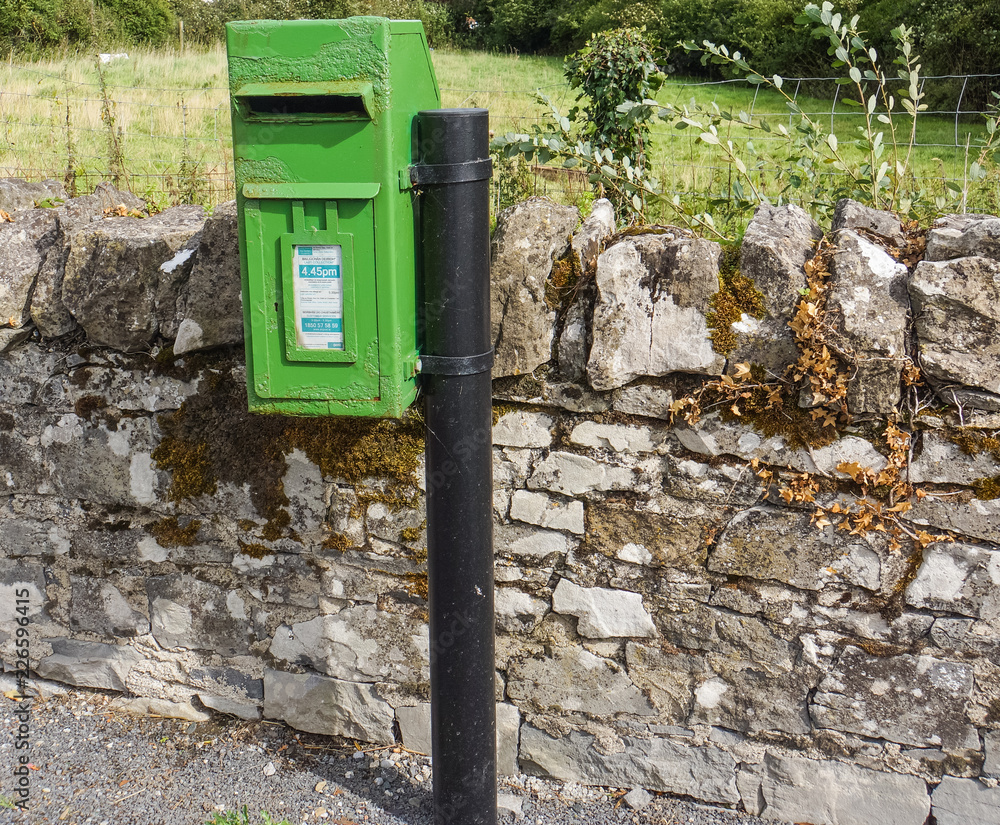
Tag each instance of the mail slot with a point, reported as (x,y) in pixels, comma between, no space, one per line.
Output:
(323,138)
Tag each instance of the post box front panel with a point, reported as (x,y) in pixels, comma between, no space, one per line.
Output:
(326,344)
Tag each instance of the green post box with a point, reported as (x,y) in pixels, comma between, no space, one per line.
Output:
(323,140)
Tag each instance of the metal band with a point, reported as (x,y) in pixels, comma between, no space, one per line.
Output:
(450,365)
(472,170)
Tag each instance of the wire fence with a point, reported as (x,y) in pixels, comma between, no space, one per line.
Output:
(173,143)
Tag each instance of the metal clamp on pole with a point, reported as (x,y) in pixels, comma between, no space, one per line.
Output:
(453,172)
(429,174)
(448,365)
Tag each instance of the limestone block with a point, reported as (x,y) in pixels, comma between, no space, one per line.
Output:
(575,339)
(913,700)
(572,474)
(575,680)
(31,537)
(730,640)
(976,518)
(617,437)
(228,690)
(653,293)
(123,275)
(318,704)
(189,613)
(768,543)
(669,679)
(991,740)
(528,238)
(97,606)
(359,644)
(147,706)
(751,701)
(956,312)
(17,195)
(522,428)
(778,242)
(23,247)
(596,228)
(543,510)
(366,645)
(88,664)
(941,461)
(603,613)
(703,772)
(963,236)
(850,214)
(47,309)
(964,801)
(833,793)
(289,580)
(869,306)
(959,578)
(415,728)
(643,399)
(520,540)
(517,611)
(209,306)
(712,436)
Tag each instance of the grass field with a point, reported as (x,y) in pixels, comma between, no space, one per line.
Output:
(165,116)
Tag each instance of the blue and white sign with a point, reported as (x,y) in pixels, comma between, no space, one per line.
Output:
(319,296)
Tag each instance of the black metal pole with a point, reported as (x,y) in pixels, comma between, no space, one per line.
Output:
(453,180)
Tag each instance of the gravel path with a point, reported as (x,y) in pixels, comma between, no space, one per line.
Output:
(98,766)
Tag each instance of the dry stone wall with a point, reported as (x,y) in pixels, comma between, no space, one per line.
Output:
(747,515)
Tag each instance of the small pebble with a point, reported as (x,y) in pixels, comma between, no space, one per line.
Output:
(358,755)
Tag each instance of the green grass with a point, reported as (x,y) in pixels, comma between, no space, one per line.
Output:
(173,112)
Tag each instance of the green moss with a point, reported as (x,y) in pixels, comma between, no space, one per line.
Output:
(359,448)
(169,533)
(254,551)
(277,524)
(213,439)
(563,279)
(973,442)
(412,534)
(337,541)
(737,295)
(416,585)
(190,466)
(987,489)
(786,418)
(87,405)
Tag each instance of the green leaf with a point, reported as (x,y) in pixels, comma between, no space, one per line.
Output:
(708,137)
(832,141)
(755,79)
(637,203)
(777,81)
(855,74)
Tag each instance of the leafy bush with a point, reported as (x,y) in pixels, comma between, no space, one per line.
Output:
(608,141)
(614,67)
(135,21)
